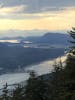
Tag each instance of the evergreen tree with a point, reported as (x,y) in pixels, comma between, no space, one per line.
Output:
(17,93)
(5,95)
(72,35)
(36,88)
(70,62)
(69,71)
(57,82)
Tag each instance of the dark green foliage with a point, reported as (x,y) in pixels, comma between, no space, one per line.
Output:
(72,35)
(5,95)
(36,88)
(17,93)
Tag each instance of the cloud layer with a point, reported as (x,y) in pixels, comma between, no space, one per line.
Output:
(48,15)
(38,5)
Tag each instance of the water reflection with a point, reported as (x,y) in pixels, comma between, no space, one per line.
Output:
(41,69)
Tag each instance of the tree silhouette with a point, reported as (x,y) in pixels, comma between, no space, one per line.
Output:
(5,95)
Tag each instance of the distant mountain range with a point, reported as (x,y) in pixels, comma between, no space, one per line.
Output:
(50,38)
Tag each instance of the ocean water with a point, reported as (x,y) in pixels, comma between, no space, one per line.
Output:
(40,69)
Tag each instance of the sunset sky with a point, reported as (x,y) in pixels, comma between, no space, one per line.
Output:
(35,17)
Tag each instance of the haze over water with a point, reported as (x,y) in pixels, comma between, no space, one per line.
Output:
(40,69)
